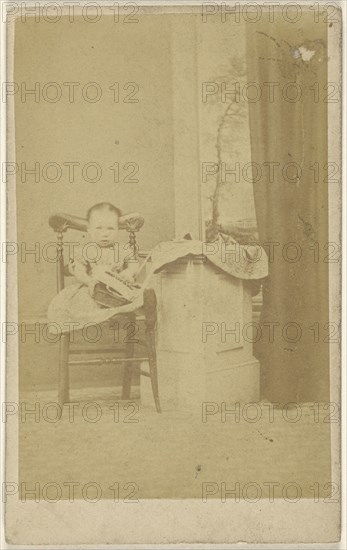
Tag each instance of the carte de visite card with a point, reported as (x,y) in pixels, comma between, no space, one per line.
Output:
(172,252)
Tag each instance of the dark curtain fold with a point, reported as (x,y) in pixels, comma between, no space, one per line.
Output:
(287,59)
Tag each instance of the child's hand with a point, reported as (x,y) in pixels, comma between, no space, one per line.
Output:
(126,277)
(91,288)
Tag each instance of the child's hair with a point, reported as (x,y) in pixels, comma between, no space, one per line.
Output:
(103,206)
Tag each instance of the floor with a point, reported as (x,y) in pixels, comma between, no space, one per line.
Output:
(128,451)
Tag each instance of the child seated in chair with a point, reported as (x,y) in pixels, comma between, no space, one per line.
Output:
(102,250)
(107,250)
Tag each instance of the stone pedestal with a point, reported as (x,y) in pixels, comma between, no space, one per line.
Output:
(204,341)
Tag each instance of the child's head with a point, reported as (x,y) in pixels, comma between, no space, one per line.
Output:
(103,223)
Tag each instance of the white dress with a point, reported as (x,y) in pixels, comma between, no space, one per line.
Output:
(74,308)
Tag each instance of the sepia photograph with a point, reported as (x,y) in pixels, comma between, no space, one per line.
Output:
(172,274)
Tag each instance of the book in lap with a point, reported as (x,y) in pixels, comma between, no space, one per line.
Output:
(111,290)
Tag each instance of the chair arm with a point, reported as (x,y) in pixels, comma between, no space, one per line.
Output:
(60,222)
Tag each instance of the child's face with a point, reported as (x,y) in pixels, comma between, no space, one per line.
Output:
(103,227)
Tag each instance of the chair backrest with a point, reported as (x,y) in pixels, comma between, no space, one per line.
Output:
(61,222)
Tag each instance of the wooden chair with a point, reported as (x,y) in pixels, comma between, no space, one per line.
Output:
(147,316)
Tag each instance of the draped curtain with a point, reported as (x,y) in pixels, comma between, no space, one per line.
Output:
(288,128)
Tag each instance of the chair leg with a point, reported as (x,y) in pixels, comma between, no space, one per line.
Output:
(150,308)
(63,388)
(128,372)
(153,370)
